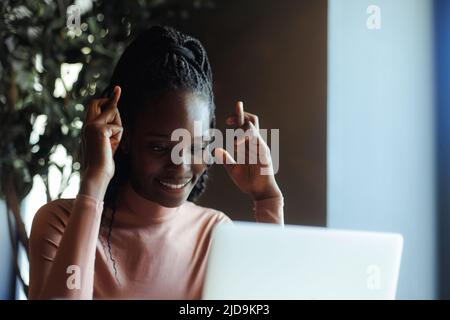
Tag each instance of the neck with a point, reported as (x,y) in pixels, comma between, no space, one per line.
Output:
(134,210)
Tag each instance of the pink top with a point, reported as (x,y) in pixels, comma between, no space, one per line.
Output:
(159,252)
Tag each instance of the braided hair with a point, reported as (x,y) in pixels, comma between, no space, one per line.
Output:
(159,60)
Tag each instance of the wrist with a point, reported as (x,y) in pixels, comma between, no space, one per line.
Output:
(94,184)
(267,194)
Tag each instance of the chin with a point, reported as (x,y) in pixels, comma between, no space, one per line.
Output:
(170,197)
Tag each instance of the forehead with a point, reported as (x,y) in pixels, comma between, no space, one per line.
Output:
(173,110)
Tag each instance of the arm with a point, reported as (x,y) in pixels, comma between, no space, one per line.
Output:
(269,210)
(256,179)
(264,211)
(55,252)
(63,256)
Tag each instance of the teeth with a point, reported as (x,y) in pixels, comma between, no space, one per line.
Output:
(173,186)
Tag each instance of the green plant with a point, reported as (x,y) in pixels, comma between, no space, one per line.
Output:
(35,119)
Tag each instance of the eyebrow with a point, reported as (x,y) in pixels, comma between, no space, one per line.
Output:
(159,135)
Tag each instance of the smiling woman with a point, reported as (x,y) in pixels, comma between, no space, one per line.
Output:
(151,170)
(133,230)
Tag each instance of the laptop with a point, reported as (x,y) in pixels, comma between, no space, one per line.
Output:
(265,261)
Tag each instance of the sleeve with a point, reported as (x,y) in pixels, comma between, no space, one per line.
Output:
(266,211)
(269,210)
(223,218)
(60,239)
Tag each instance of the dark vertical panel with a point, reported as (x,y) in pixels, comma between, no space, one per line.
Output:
(442,18)
(273,56)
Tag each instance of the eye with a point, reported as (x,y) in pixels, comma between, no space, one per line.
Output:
(158,147)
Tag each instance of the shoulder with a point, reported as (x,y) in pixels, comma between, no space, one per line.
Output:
(54,215)
(210,214)
(49,224)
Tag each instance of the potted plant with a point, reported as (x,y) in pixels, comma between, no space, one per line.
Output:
(48,72)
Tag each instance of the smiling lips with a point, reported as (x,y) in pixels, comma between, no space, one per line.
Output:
(174,186)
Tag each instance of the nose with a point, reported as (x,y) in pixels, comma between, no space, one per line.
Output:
(180,166)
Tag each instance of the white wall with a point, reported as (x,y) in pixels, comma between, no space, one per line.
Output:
(380,130)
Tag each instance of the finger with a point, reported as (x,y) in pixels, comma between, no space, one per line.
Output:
(108,116)
(249,155)
(112,129)
(264,155)
(251,133)
(117,94)
(246,149)
(117,120)
(114,133)
(230,120)
(255,147)
(239,113)
(93,109)
(254,130)
(223,157)
(245,139)
(253,118)
(113,99)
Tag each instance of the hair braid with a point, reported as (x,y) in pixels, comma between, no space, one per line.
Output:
(149,68)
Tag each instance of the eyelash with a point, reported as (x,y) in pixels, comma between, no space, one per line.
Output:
(160,149)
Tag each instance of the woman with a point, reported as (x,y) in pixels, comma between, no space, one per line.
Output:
(133,230)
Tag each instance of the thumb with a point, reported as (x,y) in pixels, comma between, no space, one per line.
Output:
(113,130)
(114,133)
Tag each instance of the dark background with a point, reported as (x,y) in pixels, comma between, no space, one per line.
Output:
(273,56)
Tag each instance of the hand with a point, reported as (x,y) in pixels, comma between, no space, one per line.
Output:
(248,177)
(100,136)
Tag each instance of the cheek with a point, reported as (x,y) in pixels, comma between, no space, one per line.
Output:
(146,164)
(199,169)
